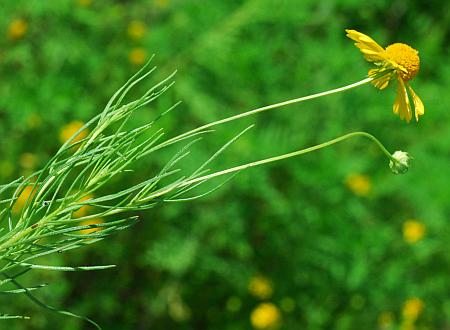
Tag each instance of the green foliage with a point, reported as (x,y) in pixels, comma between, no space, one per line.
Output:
(339,256)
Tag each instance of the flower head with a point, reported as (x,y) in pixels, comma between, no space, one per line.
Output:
(413,231)
(84,3)
(136,30)
(400,164)
(70,129)
(260,287)
(28,160)
(412,308)
(265,316)
(26,194)
(83,210)
(385,320)
(93,222)
(398,62)
(137,56)
(359,184)
(17,29)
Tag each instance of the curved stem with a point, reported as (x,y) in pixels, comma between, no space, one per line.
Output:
(262,109)
(271,160)
(289,155)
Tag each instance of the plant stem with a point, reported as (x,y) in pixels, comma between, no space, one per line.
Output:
(273,159)
(262,109)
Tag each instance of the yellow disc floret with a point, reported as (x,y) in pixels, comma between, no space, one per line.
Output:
(405,56)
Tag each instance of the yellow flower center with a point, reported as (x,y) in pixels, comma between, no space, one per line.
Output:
(405,56)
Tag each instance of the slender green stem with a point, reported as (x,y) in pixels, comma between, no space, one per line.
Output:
(291,154)
(274,159)
(262,109)
(181,184)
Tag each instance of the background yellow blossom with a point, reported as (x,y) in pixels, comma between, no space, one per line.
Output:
(136,30)
(82,211)
(17,29)
(385,320)
(23,198)
(138,56)
(412,308)
(413,231)
(70,129)
(91,222)
(84,3)
(260,287)
(161,3)
(265,316)
(359,184)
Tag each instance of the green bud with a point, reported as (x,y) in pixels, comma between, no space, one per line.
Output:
(401,163)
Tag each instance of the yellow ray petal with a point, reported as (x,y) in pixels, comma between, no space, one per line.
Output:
(381,76)
(401,103)
(419,109)
(371,50)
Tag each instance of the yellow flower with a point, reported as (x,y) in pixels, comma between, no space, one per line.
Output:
(95,221)
(161,3)
(84,3)
(265,316)
(22,199)
(70,129)
(28,160)
(136,30)
(82,211)
(407,326)
(137,56)
(359,184)
(17,29)
(34,121)
(398,62)
(412,309)
(260,287)
(385,320)
(413,231)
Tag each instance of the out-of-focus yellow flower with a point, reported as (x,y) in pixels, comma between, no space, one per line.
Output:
(407,326)
(34,120)
(359,184)
(84,3)
(95,221)
(70,129)
(260,287)
(385,320)
(136,30)
(413,231)
(161,3)
(82,211)
(412,308)
(265,316)
(138,56)
(28,160)
(397,62)
(21,200)
(17,29)
(178,310)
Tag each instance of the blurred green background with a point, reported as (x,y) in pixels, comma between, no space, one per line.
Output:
(329,240)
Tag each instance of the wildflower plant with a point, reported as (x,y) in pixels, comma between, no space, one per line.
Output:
(398,62)
(40,214)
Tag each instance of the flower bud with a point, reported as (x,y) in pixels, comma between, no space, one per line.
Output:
(401,163)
